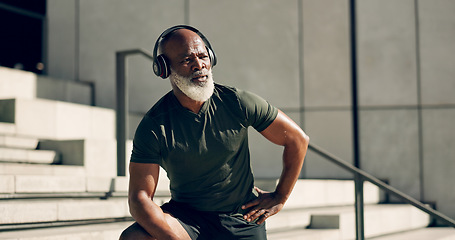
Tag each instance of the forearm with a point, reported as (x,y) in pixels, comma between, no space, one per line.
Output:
(293,157)
(151,217)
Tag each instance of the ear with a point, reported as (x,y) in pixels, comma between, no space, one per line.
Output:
(161,66)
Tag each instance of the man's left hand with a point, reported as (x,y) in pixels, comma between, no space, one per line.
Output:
(267,204)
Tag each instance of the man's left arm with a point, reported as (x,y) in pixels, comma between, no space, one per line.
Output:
(285,132)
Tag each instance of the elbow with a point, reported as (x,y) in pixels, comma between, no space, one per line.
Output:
(306,140)
(137,200)
(298,143)
(133,203)
(297,140)
(303,139)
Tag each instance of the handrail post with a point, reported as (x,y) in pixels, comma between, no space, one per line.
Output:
(359,207)
(121,112)
(121,124)
(358,179)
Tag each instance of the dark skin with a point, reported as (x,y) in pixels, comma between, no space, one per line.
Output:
(187,54)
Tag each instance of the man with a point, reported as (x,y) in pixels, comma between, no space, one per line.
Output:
(198,134)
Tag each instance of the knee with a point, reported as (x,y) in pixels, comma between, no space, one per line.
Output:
(134,232)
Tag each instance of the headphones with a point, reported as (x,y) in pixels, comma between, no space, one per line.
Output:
(161,66)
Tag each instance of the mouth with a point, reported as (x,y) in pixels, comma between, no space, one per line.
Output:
(199,78)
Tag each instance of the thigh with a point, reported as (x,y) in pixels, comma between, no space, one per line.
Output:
(177,226)
(238,228)
(188,219)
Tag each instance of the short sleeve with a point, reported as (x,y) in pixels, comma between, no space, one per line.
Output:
(146,144)
(259,113)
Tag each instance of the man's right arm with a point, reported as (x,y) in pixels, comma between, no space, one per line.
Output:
(142,186)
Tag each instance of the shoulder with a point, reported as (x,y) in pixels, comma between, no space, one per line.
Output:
(157,113)
(163,106)
(243,97)
(224,90)
(228,92)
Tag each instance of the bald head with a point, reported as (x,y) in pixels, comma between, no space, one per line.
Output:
(185,51)
(180,37)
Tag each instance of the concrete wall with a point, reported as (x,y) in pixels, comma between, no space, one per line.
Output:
(388,92)
(326,84)
(437,71)
(99,29)
(296,54)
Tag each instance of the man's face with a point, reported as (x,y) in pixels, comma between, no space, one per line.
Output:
(187,54)
(190,65)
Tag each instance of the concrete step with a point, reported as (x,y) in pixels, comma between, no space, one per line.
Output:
(18,212)
(7,141)
(315,193)
(431,233)
(16,83)
(109,231)
(26,184)
(7,128)
(299,234)
(380,219)
(58,120)
(98,156)
(48,184)
(35,178)
(55,210)
(288,219)
(106,231)
(41,169)
(28,156)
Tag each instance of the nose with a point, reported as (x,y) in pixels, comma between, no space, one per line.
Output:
(198,64)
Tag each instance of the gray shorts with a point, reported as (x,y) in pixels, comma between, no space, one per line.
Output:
(202,225)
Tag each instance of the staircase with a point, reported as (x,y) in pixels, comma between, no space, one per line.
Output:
(58,180)
(323,209)
(58,165)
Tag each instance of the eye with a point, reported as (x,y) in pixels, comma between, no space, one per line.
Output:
(186,60)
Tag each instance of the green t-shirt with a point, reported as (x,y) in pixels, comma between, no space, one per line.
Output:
(205,155)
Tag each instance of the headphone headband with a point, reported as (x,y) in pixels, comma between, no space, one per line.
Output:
(161,67)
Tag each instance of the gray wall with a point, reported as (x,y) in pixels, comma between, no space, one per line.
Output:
(296,54)
(388,92)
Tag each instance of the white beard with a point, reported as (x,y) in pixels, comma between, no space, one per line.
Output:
(200,92)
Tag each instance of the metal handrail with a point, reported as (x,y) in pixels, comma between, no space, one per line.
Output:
(359,178)
(122,104)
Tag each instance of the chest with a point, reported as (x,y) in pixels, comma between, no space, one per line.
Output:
(202,137)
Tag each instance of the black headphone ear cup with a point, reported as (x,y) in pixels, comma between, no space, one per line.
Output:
(161,67)
(156,68)
(211,56)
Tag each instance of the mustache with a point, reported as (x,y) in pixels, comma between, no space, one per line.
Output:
(200,72)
